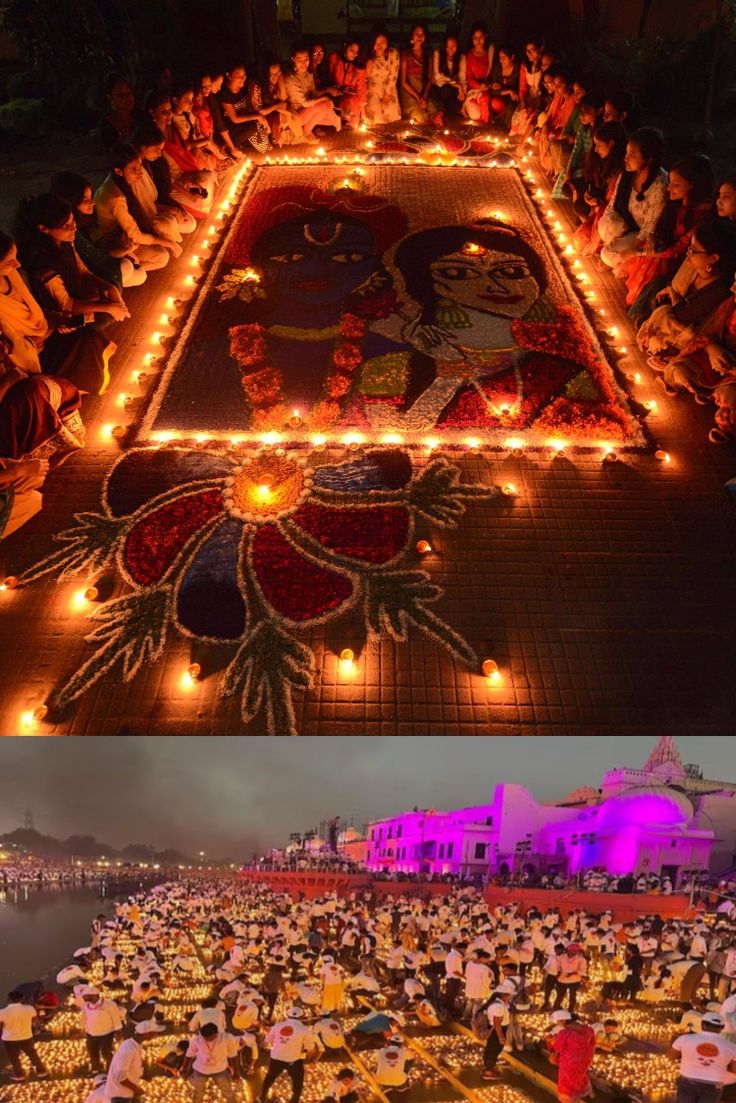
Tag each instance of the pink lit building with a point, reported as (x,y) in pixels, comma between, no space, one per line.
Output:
(662,818)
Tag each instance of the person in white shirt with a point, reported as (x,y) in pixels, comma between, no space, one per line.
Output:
(454,975)
(70,975)
(125,1073)
(393,1065)
(329,1032)
(345,1088)
(102,1020)
(728,1014)
(573,969)
(246,1014)
(212,1055)
(211,1011)
(478,979)
(288,1042)
(333,992)
(706,1060)
(16,1030)
(499,1018)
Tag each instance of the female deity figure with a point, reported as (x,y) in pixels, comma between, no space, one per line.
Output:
(491,347)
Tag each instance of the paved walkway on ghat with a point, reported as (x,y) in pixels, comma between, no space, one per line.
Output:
(604,591)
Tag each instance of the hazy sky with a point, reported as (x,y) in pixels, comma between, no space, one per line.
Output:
(228,796)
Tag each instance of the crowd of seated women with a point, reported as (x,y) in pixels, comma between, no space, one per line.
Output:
(668,236)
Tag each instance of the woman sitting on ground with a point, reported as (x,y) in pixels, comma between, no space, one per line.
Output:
(39,414)
(240,100)
(562,144)
(504,87)
(201,107)
(556,117)
(319,66)
(479,60)
(123,117)
(202,148)
(118,266)
(448,77)
(193,187)
(636,206)
(692,339)
(64,286)
(415,79)
(602,167)
(162,213)
(382,74)
(35,342)
(530,91)
(690,305)
(120,220)
(571,183)
(271,97)
(348,77)
(690,189)
(211,99)
(313,108)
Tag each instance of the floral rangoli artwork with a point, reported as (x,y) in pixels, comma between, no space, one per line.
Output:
(404,299)
(249,549)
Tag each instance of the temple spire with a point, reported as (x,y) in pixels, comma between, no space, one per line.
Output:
(665,751)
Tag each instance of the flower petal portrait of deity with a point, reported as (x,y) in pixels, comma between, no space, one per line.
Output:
(492,347)
(317,254)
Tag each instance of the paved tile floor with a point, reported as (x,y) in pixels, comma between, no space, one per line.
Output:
(605,591)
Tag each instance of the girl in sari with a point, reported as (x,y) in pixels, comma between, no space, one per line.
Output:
(690,188)
(193,186)
(479,61)
(349,80)
(572,1051)
(201,146)
(415,80)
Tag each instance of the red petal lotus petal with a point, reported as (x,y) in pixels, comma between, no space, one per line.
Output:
(374,534)
(297,588)
(155,541)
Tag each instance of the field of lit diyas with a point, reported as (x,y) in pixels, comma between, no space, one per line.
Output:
(447,1061)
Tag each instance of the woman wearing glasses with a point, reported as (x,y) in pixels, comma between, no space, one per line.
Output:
(691,315)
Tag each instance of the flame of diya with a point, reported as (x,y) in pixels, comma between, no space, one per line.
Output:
(267,486)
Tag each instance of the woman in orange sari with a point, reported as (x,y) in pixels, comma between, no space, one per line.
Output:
(348,78)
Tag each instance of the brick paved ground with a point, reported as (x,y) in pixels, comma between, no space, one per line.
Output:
(605,592)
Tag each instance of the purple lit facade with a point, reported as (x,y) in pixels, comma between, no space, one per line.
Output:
(664,818)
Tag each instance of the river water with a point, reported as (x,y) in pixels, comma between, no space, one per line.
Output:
(41,927)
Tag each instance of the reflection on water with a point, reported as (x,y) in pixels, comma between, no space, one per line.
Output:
(41,927)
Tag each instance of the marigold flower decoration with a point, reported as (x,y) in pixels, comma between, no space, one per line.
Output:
(248,550)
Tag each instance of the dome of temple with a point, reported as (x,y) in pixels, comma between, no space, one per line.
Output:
(647,804)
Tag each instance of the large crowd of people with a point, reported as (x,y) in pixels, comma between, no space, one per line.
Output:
(668,235)
(291,982)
